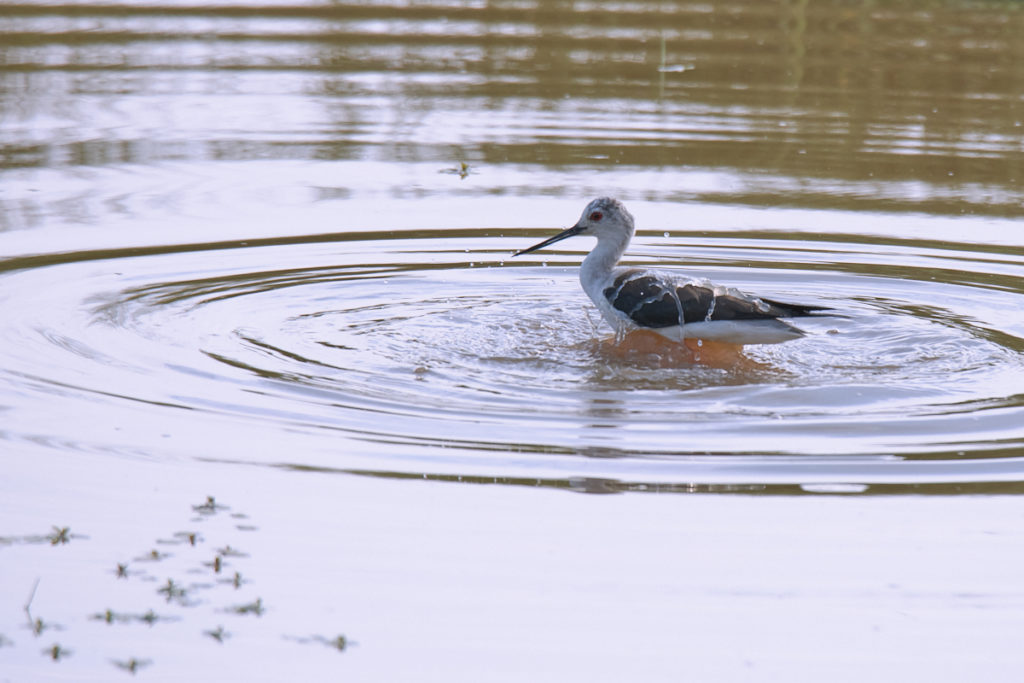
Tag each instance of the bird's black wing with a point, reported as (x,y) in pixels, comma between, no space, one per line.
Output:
(650,301)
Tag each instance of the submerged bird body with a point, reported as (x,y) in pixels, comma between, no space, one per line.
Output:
(674,307)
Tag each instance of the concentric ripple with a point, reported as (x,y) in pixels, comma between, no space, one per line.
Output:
(353,354)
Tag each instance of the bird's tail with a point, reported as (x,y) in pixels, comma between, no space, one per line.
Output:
(787,310)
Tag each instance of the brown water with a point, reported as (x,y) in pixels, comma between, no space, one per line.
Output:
(262,252)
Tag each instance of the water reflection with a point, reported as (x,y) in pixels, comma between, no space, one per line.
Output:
(245,246)
(428,364)
(823,104)
(231,156)
(916,484)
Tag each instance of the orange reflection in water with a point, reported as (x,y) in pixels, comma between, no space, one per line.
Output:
(650,347)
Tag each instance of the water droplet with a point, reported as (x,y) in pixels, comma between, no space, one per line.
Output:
(666,233)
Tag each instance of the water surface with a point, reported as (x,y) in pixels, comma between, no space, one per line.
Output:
(259,249)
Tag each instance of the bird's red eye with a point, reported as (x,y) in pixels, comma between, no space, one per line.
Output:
(596,216)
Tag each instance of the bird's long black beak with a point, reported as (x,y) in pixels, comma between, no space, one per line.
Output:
(574,230)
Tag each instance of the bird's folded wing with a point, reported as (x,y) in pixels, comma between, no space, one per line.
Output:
(652,301)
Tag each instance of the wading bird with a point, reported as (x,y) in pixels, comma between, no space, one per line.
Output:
(676,308)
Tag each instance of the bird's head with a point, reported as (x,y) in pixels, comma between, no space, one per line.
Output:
(604,217)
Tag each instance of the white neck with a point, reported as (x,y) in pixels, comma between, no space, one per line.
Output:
(598,264)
